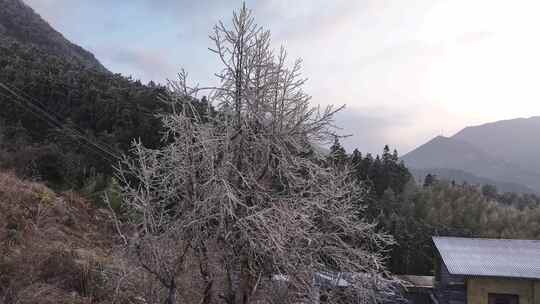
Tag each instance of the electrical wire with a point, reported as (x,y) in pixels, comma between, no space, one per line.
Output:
(102,149)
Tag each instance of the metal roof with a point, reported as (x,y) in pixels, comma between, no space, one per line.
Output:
(490,257)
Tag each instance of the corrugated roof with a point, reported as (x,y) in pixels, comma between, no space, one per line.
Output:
(490,257)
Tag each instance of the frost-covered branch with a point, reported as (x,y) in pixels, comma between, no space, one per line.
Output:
(242,193)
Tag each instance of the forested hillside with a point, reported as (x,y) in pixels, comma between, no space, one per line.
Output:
(65,119)
(50,101)
(413,212)
(19,23)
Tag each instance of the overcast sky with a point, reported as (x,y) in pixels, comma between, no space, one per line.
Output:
(407,70)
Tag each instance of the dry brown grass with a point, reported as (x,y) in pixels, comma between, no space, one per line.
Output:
(53,247)
(58,248)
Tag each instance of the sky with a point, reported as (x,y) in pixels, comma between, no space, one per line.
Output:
(406,70)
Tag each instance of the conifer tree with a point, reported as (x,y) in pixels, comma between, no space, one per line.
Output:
(430,180)
(338,156)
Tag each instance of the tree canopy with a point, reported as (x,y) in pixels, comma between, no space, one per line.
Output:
(244,192)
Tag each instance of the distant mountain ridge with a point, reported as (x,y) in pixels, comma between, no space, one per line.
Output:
(20,23)
(504,152)
(516,140)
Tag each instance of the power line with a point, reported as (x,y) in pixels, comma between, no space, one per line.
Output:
(57,119)
(53,121)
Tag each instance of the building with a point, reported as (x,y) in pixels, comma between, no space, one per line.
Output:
(487,271)
(417,289)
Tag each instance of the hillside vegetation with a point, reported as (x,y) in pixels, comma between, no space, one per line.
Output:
(52,245)
(413,212)
(19,23)
(65,119)
(59,248)
(64,123)
(461,176)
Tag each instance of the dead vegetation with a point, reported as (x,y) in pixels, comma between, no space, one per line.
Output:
(52,247)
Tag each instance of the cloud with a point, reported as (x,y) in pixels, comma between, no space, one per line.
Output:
(144,64)
(369,129)
(406,70)
(402,127)
(314,17)
(402,52)
(473,37)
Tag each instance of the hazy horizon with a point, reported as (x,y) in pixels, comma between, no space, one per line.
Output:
(406,72)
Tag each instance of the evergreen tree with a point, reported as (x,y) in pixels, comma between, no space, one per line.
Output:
(489,191)
(77,102)
(430,180)
(338,156)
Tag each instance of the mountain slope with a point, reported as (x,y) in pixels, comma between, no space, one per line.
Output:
(91,115)
(19,22)
(515,140)
(451,153)
(445,152)
(460,176)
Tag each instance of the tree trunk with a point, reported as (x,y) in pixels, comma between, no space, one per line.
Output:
(171,299)
(243,292)
(207,298)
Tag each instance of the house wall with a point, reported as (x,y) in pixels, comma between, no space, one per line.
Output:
(536,292)
(418,296)
(479,288)
(449,288)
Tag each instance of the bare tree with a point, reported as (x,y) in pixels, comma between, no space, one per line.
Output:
(243,192)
